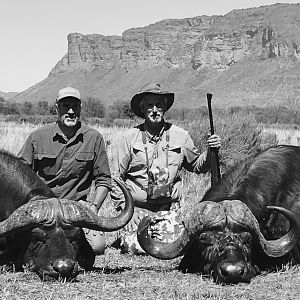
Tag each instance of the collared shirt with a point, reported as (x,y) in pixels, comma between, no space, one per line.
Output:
(68,166)
(132,163)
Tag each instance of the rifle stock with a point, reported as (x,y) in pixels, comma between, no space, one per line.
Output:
(214,155)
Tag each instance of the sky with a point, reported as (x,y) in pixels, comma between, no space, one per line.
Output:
(34,33)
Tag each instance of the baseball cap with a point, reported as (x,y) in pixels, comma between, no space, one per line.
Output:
(68,92)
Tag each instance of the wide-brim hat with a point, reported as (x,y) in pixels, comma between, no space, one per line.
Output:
(150,89)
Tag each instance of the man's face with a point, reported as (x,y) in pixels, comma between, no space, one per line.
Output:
(154,108)
(68,110)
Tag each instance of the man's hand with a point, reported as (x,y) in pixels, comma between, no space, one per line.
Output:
(94,208)
(214,141)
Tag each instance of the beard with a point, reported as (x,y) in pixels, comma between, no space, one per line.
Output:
(69,121)
(155,119)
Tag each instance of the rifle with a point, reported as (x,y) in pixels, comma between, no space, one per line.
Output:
(214,155)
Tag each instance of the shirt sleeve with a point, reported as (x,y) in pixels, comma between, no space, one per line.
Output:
(194,161)
(101,170)
(26,153)
(123,160)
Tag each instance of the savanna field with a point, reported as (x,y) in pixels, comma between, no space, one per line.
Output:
(117,276)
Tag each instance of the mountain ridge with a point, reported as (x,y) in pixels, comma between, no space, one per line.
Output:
(241,58)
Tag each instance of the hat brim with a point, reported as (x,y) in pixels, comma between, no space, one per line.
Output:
(136,100)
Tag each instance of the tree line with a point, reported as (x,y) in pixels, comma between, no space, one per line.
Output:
(94,108)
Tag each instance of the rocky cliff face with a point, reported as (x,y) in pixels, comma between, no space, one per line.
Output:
(241,57)
(202,42)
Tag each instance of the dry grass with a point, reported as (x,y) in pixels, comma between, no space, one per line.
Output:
(117,276)
(287,136)
(125,277)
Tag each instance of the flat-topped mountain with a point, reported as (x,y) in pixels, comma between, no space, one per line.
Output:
(248,56)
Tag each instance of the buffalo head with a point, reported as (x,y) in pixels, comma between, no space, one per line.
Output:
(49,237)
(220,239)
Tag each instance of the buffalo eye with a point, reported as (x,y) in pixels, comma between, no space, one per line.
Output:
(39,236)
(37,245)
(206,239)
(73,236)
(246,237)
(73,240)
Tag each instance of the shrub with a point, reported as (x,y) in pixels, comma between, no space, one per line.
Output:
(241,136)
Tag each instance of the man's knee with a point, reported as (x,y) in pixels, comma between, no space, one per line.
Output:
(96,239)
(99,246)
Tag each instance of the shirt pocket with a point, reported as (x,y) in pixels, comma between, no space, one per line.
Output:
(138,160)
(83,162)
(175,155)
(47,164)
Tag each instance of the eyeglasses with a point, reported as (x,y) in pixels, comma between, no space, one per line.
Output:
(68,106)
(159,106)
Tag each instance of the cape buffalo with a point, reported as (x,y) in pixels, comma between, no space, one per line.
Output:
(248,222)
(44,232)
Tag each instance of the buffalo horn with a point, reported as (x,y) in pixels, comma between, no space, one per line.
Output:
(205,215)
(238,212)
(79,215)
(158,249)
(48,211)
(29,215)
(281,246)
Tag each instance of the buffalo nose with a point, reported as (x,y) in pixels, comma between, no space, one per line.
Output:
(232,271)
(66,268)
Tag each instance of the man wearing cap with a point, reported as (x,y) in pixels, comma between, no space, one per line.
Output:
(69,155)
(150,158)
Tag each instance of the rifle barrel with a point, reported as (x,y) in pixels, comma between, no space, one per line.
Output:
(215,164)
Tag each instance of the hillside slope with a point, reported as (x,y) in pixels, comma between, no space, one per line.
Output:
(241,58)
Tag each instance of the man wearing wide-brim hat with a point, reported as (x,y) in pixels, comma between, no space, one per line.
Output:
(150,158)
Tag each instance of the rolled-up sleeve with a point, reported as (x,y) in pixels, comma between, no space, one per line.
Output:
(101,171)
(193,160)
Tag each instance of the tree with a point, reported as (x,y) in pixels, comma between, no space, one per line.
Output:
(13,109)
(128,111)
(93,108)
(27,108)
(42,108)
(3,105)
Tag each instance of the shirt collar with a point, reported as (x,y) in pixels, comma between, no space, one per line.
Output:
(155,138)
(57,133)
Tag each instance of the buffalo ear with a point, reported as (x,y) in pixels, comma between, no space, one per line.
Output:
(85,255)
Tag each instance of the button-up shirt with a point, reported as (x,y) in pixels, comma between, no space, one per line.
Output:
(68,166)
(132,163)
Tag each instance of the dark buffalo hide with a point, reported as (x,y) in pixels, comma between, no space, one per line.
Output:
(43,232)
(247,222)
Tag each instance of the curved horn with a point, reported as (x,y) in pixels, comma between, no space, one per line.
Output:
(238,212)
(205,215)
(158,249)
(78,215)
(29,215)
(281,246)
